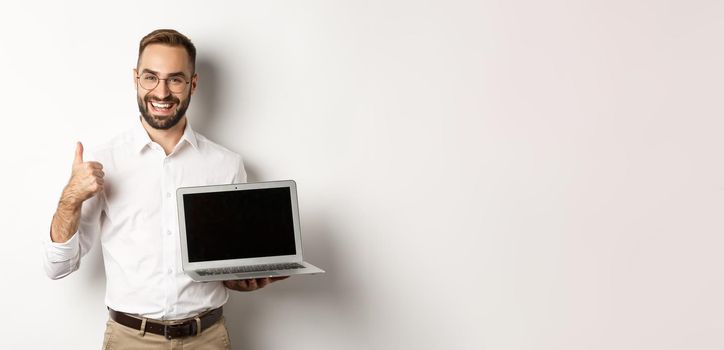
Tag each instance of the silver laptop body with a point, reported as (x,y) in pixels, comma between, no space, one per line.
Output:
(240,231)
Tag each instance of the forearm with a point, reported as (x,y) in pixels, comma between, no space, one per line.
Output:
(62,254)
(66,219)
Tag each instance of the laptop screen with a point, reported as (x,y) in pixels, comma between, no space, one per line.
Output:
(239,224)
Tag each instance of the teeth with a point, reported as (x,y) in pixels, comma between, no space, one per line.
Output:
(161,105)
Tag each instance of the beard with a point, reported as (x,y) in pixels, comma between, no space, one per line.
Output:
(163,123)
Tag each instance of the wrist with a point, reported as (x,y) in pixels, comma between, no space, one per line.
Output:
(69,202)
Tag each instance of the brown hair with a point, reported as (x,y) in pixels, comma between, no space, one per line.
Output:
(168,37)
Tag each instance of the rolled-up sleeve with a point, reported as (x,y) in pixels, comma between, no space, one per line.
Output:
(61,259)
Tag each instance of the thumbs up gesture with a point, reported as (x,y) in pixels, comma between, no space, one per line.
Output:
(86,179)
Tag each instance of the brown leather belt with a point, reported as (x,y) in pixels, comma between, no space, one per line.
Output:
(184,328)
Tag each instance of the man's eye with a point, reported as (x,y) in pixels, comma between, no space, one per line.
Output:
(178,81)
(150,78)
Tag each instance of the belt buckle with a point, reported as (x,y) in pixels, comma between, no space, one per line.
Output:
(166,332)
(167,329)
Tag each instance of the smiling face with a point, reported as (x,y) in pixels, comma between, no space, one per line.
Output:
(163,107)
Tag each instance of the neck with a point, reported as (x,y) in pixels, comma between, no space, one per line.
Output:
(167,139)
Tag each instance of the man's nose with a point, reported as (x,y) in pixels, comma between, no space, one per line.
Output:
(161,89)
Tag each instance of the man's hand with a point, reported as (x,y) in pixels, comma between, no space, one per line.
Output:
(86,180)
(251,284)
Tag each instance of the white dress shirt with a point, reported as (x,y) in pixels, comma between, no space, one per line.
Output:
(136,220)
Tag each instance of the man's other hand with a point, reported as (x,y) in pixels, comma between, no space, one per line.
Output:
(251,284)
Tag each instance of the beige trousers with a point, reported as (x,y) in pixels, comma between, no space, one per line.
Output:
(119,336)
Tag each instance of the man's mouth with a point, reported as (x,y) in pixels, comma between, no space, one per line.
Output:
(162,107)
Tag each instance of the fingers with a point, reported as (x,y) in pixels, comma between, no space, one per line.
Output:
(92,176)
(78,153)
(240,285)
(89,165)
(94,165)
(235,284)
(251,284)
(262,282)
(95,185)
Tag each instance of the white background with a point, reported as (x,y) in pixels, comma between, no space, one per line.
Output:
(472,174)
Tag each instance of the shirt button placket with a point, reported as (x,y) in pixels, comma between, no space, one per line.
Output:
(167,207)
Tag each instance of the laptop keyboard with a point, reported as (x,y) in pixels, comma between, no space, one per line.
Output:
(250,268)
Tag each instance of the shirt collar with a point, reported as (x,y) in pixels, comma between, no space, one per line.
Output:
(141,139)
(189,135)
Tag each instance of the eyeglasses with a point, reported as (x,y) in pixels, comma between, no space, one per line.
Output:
(149,81)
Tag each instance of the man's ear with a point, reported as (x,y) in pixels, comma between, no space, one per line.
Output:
(135,74)
(194,81)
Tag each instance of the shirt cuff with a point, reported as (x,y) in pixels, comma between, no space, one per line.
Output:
(59,252)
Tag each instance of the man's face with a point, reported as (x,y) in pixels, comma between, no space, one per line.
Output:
(161,107)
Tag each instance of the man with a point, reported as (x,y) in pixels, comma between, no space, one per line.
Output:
(126,198)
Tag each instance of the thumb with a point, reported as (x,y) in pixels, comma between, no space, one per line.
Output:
(78,153)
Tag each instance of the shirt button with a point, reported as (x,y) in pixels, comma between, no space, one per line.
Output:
(168,232)
(169,271)
(168,194)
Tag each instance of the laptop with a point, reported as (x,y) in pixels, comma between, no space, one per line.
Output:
(240,231)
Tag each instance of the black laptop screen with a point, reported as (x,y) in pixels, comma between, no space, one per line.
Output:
(239,224)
